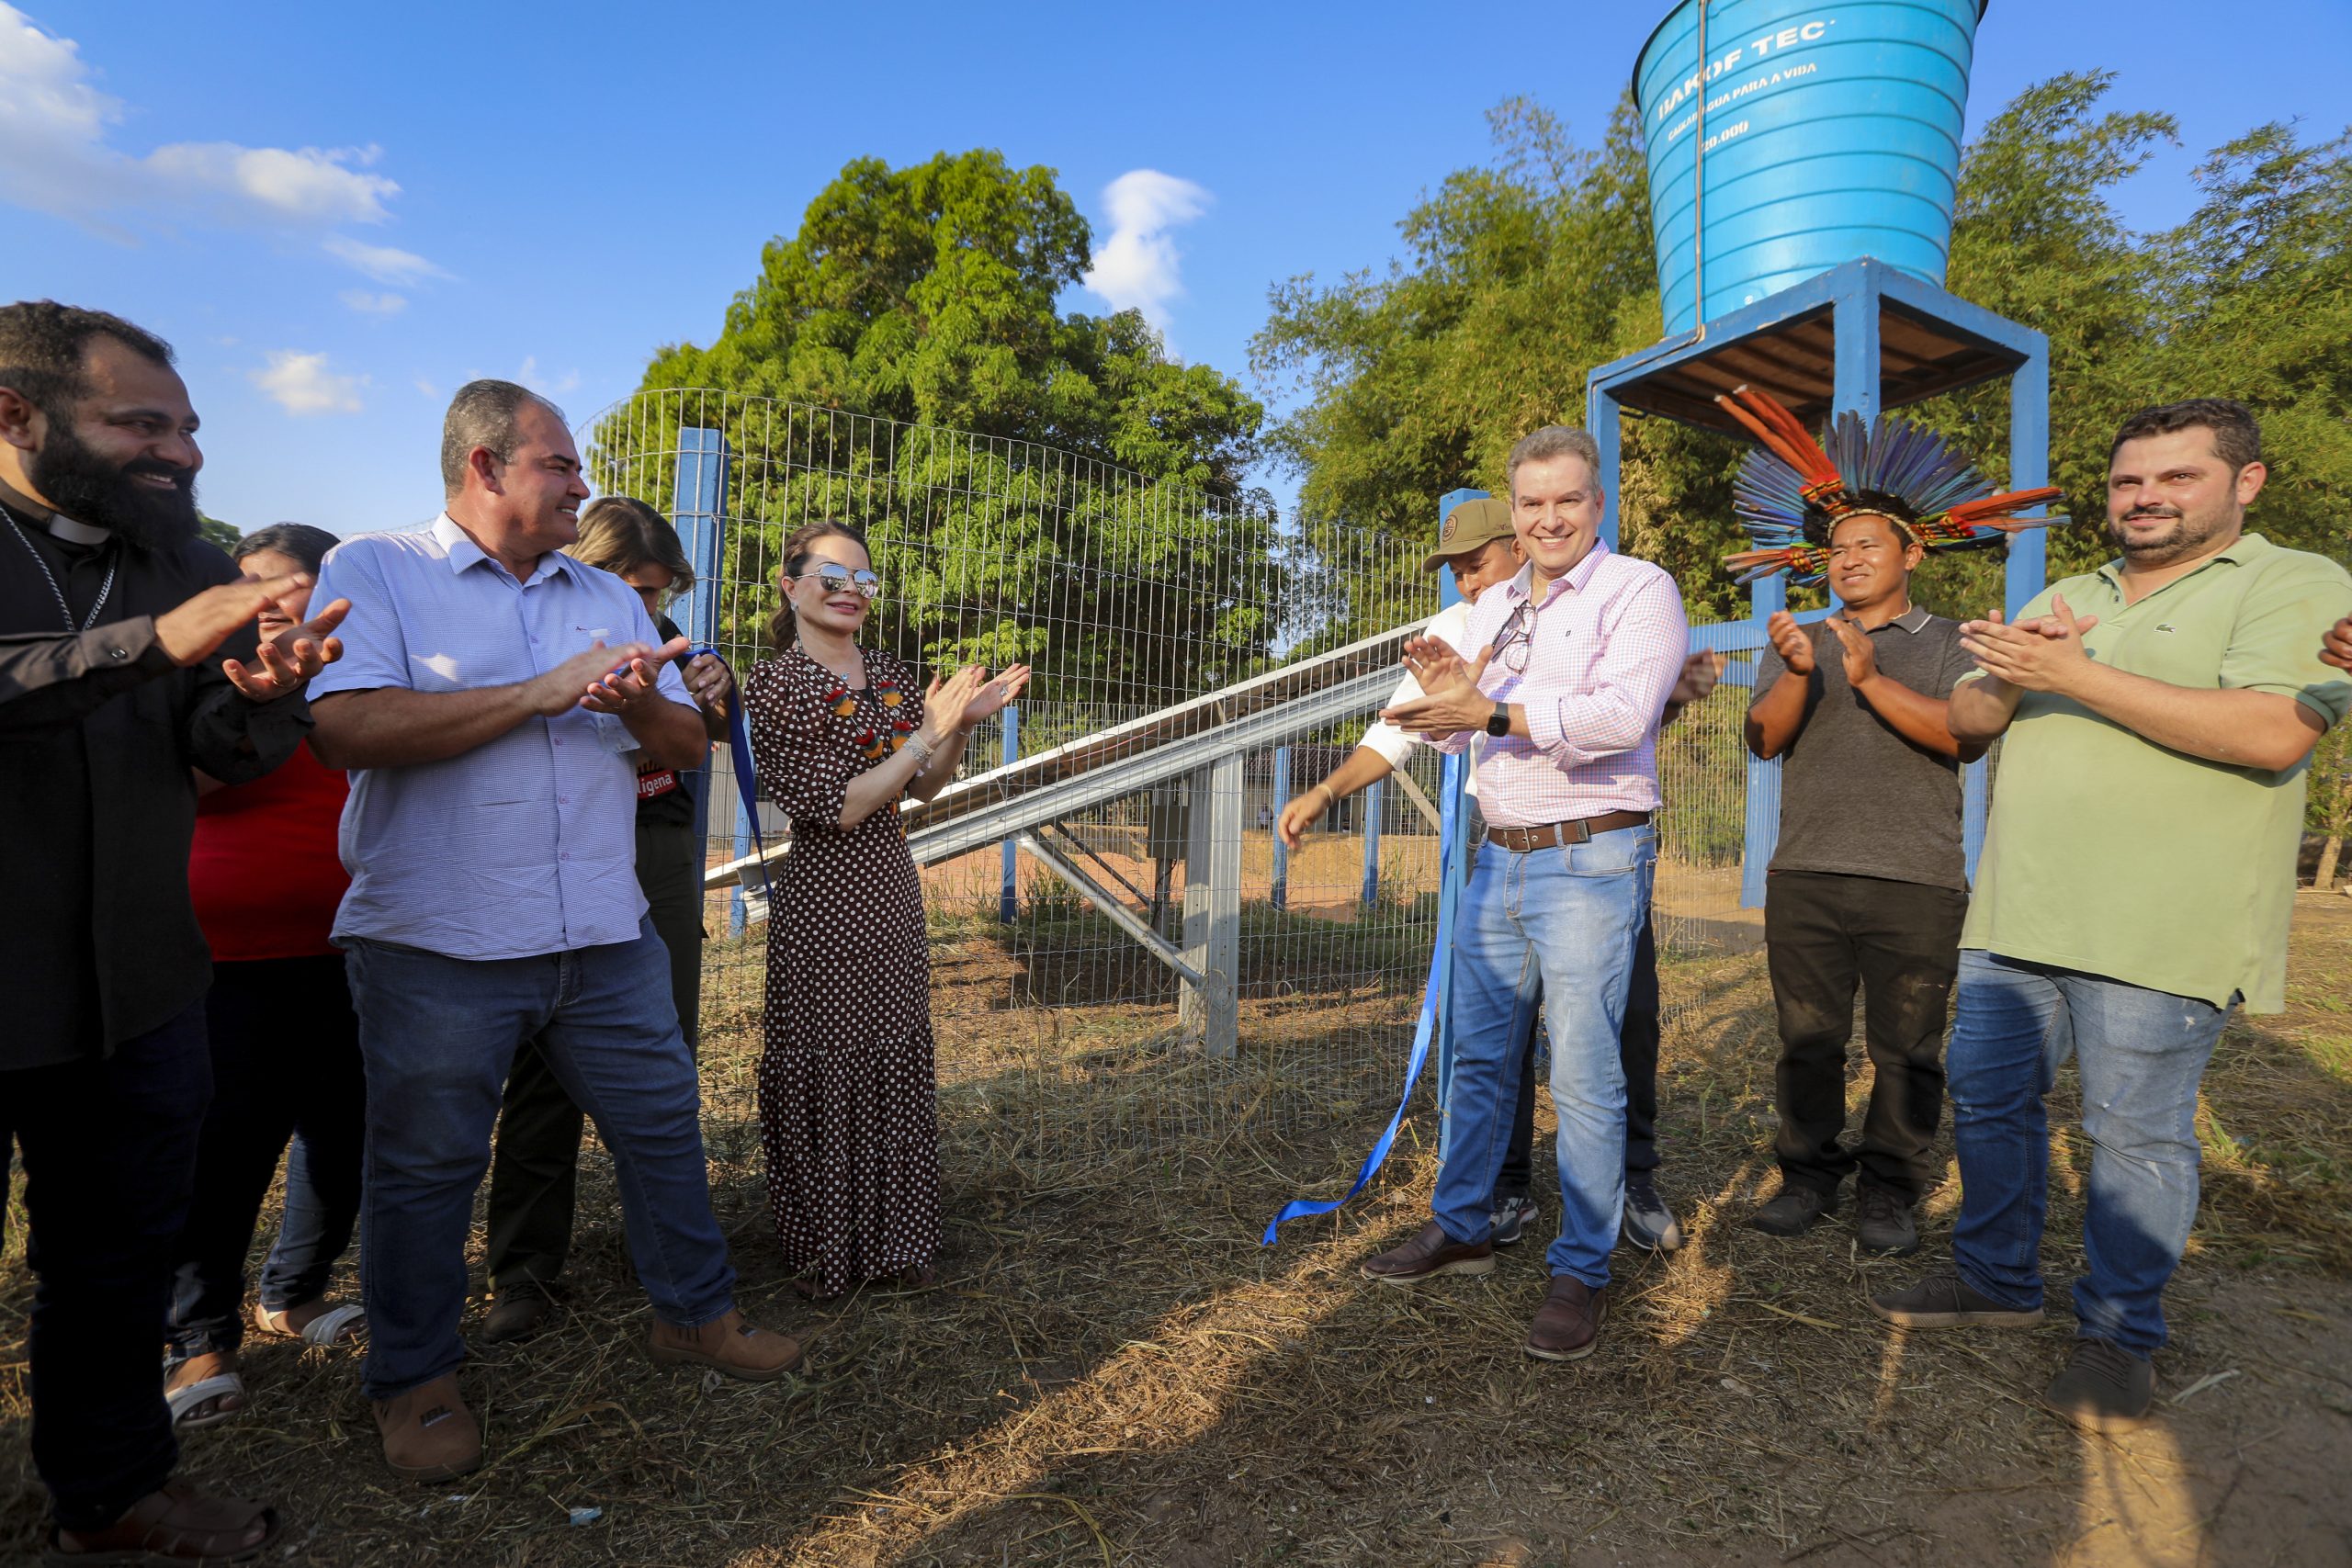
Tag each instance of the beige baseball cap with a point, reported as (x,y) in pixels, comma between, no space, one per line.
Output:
(1467,528)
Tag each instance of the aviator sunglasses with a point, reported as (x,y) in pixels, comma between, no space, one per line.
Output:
(835,579)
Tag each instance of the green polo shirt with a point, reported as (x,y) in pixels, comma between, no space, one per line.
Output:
(2113,855)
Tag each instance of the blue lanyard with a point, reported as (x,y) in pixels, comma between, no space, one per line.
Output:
(754,876)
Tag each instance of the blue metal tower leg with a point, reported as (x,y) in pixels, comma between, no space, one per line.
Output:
(1603,421)
(2029,469)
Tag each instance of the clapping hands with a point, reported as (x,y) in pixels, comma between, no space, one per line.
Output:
(2043,654)
(969,696)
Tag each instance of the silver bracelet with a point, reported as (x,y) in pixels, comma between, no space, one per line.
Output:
(924,749)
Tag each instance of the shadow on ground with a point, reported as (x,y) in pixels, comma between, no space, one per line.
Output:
(1110,1370)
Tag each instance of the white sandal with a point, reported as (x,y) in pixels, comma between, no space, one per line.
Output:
(184,1399)
(337,1325)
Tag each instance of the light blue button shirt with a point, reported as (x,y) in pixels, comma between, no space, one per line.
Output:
(526,844)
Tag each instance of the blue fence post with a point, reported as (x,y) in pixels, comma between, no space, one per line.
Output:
(1282,852)
(698,498)
(1454,779)
(1008,895)
(1375,796)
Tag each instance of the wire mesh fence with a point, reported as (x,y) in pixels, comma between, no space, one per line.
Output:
(1070,1037)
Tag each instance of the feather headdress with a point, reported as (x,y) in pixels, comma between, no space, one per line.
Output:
(1791,491)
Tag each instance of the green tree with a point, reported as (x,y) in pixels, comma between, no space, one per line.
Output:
(1027,479)
(927,295)
(2328,799)
(225,534)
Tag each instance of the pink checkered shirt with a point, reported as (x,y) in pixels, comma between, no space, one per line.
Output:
(1606,644)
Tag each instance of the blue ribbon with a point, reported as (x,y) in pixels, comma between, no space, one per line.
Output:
(1424,1030)
(747,781)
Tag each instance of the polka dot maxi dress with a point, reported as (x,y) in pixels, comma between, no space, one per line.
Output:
(847,1096)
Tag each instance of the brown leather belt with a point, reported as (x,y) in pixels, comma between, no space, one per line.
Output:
(1519,841)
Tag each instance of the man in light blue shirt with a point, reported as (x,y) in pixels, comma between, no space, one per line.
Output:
(490,709)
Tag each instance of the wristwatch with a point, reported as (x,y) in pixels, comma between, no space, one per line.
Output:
(1498,721)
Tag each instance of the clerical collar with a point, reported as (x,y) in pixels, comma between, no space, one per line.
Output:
(55,524)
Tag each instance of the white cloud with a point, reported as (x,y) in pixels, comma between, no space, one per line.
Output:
(426,390)
(385,264)
(55,158)
(531,376)
(312,186)
(369,304)
(302,385)
(1139,267)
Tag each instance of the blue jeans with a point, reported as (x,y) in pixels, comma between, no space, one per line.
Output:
(1556,928)
(438,1036)
(2139,1054)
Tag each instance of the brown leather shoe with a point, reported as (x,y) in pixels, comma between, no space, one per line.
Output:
(517,1311)
(1568,1325)
(178,1524)
(429,1435)
(1429,1253)
(726,1345)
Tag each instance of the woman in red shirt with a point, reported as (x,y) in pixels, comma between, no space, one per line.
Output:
(266,877)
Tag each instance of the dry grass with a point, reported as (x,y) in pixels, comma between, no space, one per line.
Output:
(1111,1372)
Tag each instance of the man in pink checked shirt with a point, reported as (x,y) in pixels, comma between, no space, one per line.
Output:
(1578,653)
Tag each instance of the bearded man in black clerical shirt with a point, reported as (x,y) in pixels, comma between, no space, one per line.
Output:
(128,657)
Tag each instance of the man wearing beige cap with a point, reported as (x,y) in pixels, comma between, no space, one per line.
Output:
(1477,543)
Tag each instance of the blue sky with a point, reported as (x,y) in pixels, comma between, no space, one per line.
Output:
(340,215)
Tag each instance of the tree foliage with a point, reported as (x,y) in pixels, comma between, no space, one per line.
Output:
(1026,478)
(928,295)
(1519,276)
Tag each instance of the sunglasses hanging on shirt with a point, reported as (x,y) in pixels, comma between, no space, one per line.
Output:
(1513,642)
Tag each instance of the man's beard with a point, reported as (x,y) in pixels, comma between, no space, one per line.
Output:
(2183,538)
(86,486)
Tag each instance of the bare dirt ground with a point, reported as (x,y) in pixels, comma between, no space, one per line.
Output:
(1110,1370)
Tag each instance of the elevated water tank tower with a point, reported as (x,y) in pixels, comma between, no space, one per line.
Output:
(1804,160)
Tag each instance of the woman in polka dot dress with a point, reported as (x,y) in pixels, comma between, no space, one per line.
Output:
(846,1088)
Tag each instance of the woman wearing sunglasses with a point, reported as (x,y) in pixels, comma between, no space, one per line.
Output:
(841,734)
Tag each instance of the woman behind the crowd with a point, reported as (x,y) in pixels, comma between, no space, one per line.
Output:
(265,878)
(534,1176)
(846,1091)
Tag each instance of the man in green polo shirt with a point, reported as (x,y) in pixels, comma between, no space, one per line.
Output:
(2135,885)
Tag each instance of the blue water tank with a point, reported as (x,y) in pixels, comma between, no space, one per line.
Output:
(1829,131)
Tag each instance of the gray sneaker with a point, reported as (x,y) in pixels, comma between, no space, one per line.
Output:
(1511,1218)
(1649,1223)
(2105,1387)
(1884,1224)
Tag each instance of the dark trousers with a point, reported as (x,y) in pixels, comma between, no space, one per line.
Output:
(109,1147)
(1636,1049)
(1899,942)
(286,1064)
(535,1171)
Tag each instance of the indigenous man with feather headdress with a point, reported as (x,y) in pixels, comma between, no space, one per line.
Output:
(1868,884)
